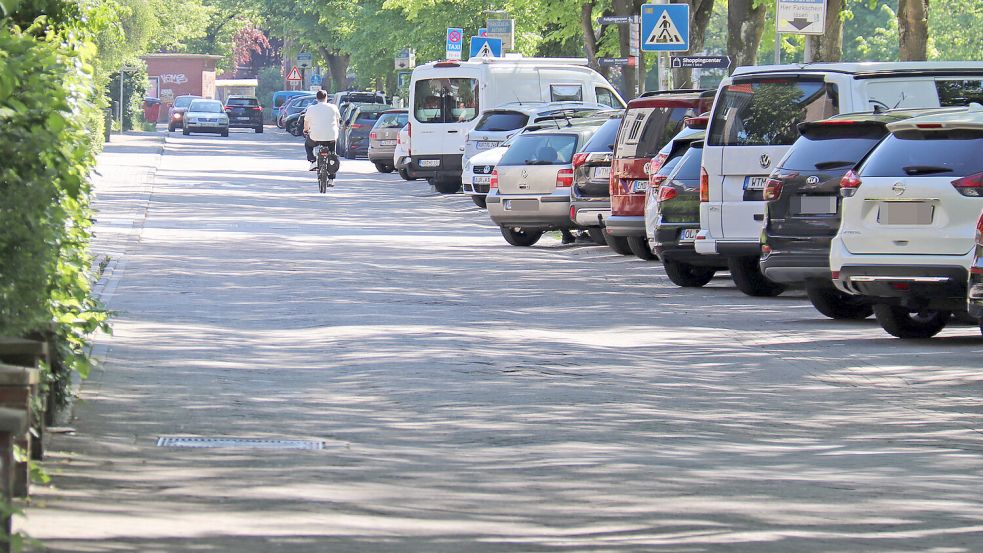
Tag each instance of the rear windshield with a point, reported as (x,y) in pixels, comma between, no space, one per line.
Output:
(646,130)
(183,101)
(368,116)
(766,112)
(364,97)
(392,121)
(541,149)
(689,164)
(445,100)
(493,121)
(603,139)
(954,153)
(833,147)
(242,102)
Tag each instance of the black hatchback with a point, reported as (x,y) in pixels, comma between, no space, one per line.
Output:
(244,113)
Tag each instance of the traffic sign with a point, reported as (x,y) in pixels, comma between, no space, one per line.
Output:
(455,41)
(614,20)
(482,32)
(503,29)
(665,27)
(405,59)
(304,59)
(802,17)
(294,75)
(486,47)
(616,62)
(403,78)
(316,79)
(700,62)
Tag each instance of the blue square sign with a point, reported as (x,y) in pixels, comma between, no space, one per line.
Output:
(665,27)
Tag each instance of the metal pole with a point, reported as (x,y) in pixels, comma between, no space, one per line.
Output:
(122,73)
(778,48)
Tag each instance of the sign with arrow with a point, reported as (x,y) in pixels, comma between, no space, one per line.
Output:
(665,27)
(700,62)
(614,20)
(802,17)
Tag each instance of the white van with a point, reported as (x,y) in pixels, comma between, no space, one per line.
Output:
(754,121)
(446,98)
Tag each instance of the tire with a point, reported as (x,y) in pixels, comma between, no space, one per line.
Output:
(617,243)
(384,168)
(225,133)
(596,236)
(639,246)
(981,325)
(448,186)
(170,128)
(838,305)
(185,132)
(687,275)
(901,322)
(405,174)
(259,129)
(480,201)
(349,154)
(521,238)
(747,276)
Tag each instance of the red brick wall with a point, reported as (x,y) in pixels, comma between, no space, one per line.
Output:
(182,75)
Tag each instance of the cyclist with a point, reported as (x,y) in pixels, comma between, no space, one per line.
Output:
(320,127)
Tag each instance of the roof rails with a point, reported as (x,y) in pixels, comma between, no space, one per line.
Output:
(649,93)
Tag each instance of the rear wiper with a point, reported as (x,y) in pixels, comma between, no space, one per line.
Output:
(823,165)
(925,169)
(538,162)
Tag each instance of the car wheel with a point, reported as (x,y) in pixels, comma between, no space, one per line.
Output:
(388,169)
(224,133)
(596,235)
(747,276)
(480,201)
(617,243)
(981,325)
(447,186)
(639,246)
(903,323)
(259,129)
(838,305)
(687,275)
(185,131)
(521,237)
(349,154)
(170,128)
(405,174)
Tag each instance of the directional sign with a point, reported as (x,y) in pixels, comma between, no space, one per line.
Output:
(700,62)
(802,17)
(503,29)
(294,75)
(455,42)
(614,20)
(665,27)
(616,62)
(486,47)
(304,59)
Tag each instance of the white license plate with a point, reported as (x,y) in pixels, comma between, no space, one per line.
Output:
(754,183)
(905,213)
(639,186)
(600,173)
(482,179)
(242,118)
(387,142)
(429,163)
(521,205)
(688,234)
(816,205)
(486,144)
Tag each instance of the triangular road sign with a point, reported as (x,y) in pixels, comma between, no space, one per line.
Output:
(665,32)
(294,75)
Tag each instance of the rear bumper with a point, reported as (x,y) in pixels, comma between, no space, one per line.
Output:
(384,155)
(668,247)
(975,294)
(706,244)
(549,211)
(246,124)
(625,225)
(914,286)
(448,166)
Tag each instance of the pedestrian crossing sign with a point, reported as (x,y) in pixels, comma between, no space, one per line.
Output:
(665,27)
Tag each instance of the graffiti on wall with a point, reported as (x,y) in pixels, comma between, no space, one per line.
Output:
(174,78)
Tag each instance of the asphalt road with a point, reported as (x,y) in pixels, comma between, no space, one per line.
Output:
(477,397)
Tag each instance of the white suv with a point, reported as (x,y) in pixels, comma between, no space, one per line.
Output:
(909,219)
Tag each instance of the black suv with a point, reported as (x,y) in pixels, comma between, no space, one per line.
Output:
(590,200)
(244,113)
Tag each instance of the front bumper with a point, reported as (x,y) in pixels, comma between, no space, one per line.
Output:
(625,225)
(534,211)
(196,127)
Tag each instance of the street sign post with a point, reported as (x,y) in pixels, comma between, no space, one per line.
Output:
(665,27)
(405,59)
(503,29)
(455,42)
(801,17)
(700,62)
(485,47)
(304,60)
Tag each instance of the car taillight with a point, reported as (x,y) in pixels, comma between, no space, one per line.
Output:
(564,178)
(667,193)
(373,135)
(493,182)
(655,181)
(257,108)
(228,108)
(704,185)
(580,159)
(656,163)
(979,230)
(971,186)
(573,213)
(773,189)
(357,125)
(849,184)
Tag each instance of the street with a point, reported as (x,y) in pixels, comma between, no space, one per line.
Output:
(478,397)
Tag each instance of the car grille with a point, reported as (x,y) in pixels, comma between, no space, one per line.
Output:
(483,169)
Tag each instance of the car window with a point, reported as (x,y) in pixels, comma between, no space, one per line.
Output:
(566,93)
(768,111)
(607,97)
(391,121)
(493,121)
(363,97)
(646,130)
(206,106)
(958,92)
(688,167)
(242,102)
(368,116)
(183,101)
(445,100)
(954,153)
(541,149)
(832,146)
(603,139)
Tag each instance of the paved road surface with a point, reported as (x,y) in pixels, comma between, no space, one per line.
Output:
(476,397)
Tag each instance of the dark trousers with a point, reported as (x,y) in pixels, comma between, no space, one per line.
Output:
(309,145)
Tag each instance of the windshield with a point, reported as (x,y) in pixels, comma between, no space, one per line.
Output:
(445,100)
(541,149)
(242,102)
(183,101)
(206,106)
(689,165)
(495,121)
(603,139)
(767,112)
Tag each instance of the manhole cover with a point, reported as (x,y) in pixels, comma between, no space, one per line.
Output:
(238,443)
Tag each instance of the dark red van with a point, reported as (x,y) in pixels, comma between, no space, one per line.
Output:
(649,123)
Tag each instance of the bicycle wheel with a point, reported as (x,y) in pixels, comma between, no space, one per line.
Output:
(322,174)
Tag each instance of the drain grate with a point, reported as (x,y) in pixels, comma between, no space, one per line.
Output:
(237,443)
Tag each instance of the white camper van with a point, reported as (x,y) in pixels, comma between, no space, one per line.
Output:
(446,98)
(754,123)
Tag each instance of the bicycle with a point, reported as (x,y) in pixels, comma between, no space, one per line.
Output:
(327,167)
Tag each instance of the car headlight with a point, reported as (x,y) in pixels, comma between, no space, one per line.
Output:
(177,115)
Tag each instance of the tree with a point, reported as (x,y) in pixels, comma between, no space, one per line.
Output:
(745,23)
(913,29)
(701,11)
(829,46)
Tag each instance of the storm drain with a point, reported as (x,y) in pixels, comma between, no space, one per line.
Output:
(237,443)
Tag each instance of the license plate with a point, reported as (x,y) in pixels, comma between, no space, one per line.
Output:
(481,180)
(905,213)
(754,183)
(242,118)
(484,145)
(429,163)
(521,205)
(387,142)
(600,173)
(814,205)
(688,234)
(639,186)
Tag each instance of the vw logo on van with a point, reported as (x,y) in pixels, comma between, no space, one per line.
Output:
(812,180)
(765,161)
(899,188)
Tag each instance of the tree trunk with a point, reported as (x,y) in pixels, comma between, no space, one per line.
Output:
(701,11)
(745,23)
(623,7)
(590,38)
(829,46)
(338,68)
(913,29)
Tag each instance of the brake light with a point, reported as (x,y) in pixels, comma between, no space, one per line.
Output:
(446,64)
(849,184)
(773,189)
(227,108)
(979,230)
(655,181)
(704,185)
(493,182)
(580,159)
(373,135)
(929,125)
(837,122)
(971,186)
(765,249)
(696,122)
(667,193)
(573,213)
(257,108)
(564,178)
(657,162)
(357,125)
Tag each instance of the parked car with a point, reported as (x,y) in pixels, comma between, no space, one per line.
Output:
(975,296)
(529,189)
(357,97)
(359,127)
(754,123)
(294,123)
(401,155)
(908,222)
(383,137)
(590,200)
(244,113)
(175,114)
(346,116)
(297,104)
(280,97)
(206,116)
(649,123)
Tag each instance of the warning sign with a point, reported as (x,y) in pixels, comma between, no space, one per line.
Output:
(294,75)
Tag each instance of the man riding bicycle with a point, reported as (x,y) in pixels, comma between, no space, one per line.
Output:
(320,127)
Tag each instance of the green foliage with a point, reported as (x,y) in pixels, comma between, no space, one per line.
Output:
(134,88)
(269,81)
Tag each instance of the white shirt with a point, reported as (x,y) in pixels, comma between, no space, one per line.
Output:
(323,120)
